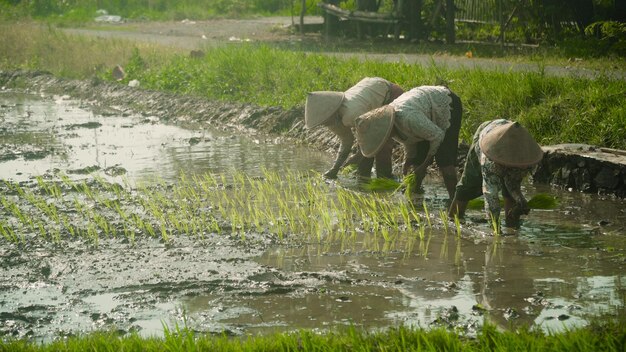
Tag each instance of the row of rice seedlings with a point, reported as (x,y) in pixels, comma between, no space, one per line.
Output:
(49,216)
(315,209)
(51,188)
(7,232)
(12,208)
(280,204)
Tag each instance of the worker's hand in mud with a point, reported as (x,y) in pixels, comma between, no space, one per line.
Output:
(420,171)
(512,221)
(355,159)
(513,216)
(331,174)
(408,168)
(522,207)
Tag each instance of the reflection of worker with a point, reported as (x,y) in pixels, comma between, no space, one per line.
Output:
(502,154)
(502,283)
(338,110)
(427,121)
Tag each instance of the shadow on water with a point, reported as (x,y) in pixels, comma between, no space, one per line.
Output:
(560,269)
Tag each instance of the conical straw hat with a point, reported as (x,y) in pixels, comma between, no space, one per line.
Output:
(373,129)
(320,106)
(512,145)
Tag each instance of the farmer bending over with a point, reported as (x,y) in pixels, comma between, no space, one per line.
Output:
(501,155)
(426,120)
(338,110)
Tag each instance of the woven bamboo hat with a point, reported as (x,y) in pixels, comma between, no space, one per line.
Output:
(512,145)
(320,106)
(373,129)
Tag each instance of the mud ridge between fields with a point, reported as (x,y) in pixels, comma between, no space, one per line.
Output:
(110,98)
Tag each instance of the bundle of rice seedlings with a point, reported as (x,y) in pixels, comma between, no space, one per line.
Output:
(538,201)
(382,184)
(543,201)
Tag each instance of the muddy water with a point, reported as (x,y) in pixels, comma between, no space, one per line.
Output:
(557,271)
(560,269)
(54,134)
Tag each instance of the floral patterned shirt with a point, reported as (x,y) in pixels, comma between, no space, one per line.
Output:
(496,177)
(368,94)
(423,114)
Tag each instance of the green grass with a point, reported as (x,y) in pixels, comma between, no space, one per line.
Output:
(76,12)
(35,46)
(554,109)
(608,336)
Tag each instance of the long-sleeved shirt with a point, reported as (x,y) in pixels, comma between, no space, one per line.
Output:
(496,176)
(422,114)
(368,94)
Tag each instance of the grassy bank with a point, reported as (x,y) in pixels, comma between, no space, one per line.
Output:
(555,109)
(72,12)
(605,337)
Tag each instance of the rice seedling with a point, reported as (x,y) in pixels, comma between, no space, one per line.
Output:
(409,184)
(42,229)
(292,206)
(543,201)
(421,231)
(7,231)
(495,224)
(406,216)
(427,213)
(457,225)
(164,231)
(425,244)
(443,215)
(381,185)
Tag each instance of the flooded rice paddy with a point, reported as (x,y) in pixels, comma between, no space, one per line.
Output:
(248,270)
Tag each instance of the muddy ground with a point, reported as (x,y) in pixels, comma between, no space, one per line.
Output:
(50,290)
(109,98)
(258,285)
(225,284)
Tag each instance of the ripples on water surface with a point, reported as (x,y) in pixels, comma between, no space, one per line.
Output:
(562,267)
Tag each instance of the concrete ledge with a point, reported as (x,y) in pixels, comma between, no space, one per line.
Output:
(585,168)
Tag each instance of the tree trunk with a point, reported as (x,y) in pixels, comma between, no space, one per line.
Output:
(302,12)
(331,23)
(450,28)
(414,16)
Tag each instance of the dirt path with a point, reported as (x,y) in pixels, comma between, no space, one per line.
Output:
(191,35)
(222,284)
(194,35)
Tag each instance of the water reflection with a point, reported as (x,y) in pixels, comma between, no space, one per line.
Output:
(44,135)
(560,268)
(557,271)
